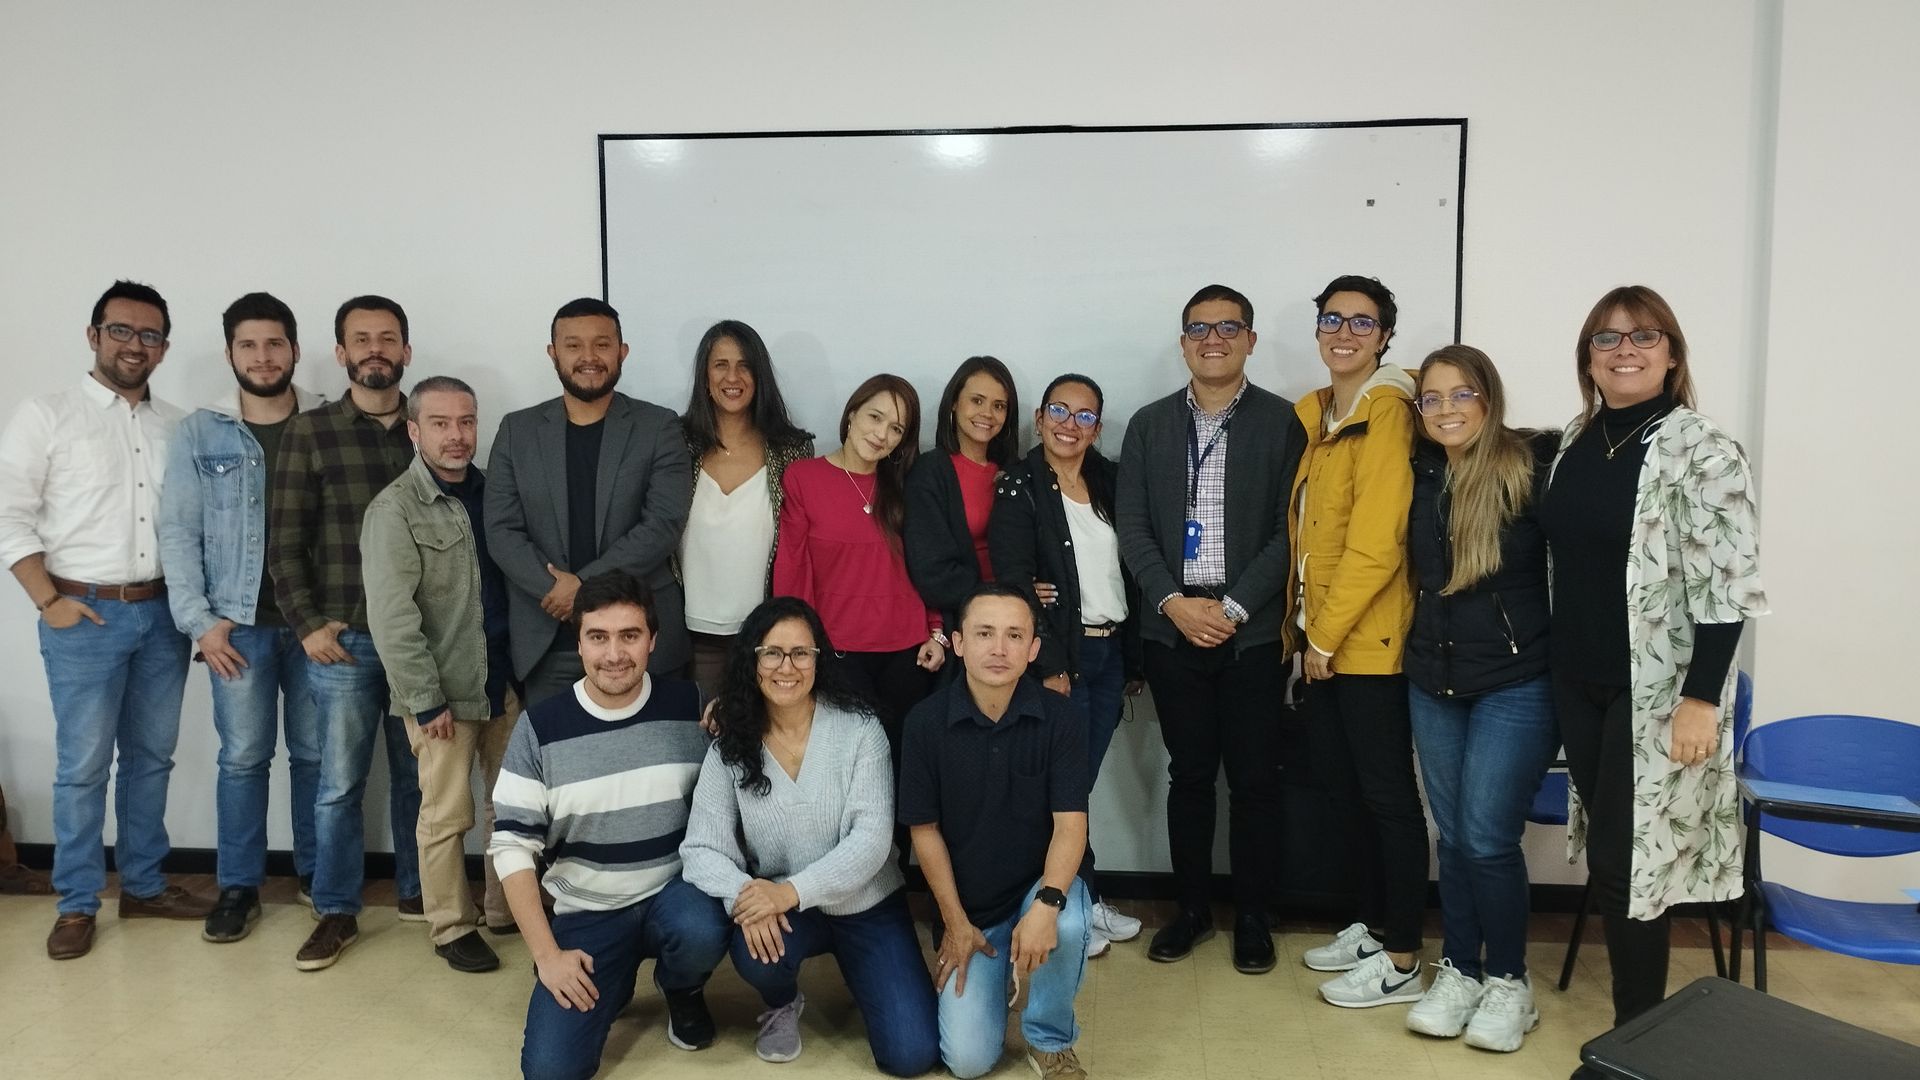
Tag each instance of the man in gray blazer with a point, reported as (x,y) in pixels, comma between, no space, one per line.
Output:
(589,482)
(1201,517)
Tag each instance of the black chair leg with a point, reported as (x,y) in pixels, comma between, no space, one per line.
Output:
(1713,929)
(1736,922)
(1759,926)
(1579,930)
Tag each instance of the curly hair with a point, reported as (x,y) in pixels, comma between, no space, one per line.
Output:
(740,711)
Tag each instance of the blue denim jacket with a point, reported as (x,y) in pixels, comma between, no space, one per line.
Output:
(213,517)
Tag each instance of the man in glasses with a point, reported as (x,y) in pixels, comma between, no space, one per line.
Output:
(213,538)
(437,609)
(81,471)
(1202,523)
(598,781)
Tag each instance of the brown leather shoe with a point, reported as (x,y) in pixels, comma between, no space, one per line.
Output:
(327,942)
(173,902)
(72,937)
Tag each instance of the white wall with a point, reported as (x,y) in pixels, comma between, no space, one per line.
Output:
(444,154)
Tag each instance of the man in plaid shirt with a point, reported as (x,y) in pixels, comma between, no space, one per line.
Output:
(333,461)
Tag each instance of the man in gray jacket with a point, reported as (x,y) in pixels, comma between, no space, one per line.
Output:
(437,608)
(589,482)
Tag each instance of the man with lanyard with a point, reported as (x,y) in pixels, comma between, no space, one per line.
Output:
(80,477)
(213,538)
(1202,523)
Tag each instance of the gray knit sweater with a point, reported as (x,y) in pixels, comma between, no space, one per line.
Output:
(829,834)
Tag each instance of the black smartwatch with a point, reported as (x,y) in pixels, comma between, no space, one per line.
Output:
(1051,897)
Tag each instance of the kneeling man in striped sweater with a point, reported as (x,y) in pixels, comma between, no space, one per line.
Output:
(597,782)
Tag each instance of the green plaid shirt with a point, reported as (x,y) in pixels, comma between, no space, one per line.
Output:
(333,461)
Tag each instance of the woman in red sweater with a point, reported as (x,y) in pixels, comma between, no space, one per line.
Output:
(840,549)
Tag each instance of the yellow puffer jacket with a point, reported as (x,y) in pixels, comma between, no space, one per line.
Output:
(1349,538)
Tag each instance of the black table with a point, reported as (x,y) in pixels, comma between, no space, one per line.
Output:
(1718,1030)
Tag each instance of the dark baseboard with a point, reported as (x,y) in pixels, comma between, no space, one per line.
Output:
(1123,885)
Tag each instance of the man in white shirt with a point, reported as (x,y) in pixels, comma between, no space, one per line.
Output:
(80,473)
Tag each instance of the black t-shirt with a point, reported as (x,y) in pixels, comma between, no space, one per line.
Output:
(993,788)
(583,493)
(267,611)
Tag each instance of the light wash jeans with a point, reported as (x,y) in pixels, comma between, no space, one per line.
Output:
(246,713)
(351,700)
(973,1026)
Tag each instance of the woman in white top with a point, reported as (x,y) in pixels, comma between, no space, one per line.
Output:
(742,441)
(1051,534)
(791,829)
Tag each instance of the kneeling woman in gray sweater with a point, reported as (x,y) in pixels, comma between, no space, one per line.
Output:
(792,829)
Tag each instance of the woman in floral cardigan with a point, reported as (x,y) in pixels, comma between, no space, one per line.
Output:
(1648,494)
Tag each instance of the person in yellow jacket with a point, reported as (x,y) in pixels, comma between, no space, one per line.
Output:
(1348,525)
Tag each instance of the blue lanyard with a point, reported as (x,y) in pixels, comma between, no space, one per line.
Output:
(1197,458)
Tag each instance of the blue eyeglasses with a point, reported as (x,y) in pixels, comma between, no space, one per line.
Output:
(1360,325)
(1059,413)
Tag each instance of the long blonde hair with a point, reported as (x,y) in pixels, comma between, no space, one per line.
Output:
(1493,480)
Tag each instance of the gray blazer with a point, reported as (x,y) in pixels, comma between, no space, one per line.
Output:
(645,485)
(1150,510)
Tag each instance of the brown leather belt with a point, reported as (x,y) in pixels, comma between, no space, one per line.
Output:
(139,590)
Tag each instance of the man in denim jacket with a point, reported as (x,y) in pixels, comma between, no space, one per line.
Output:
(213,543)
(437,609)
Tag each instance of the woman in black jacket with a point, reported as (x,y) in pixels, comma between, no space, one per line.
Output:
(1481,701)
(1052,536)
(949,493)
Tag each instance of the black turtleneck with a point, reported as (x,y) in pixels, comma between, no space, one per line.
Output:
(1588,518)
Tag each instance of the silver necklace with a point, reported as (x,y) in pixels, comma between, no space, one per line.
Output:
(866,506)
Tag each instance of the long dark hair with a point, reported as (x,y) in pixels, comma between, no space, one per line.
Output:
(768,411)
(740,711)
(890,476)
(1004,448)
(1098,472)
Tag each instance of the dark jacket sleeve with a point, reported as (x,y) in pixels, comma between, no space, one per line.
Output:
(1133,518)
(1013,542)
(943,567)
(1265,576)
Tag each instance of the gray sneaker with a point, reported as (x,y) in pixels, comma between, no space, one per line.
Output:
(780,1031)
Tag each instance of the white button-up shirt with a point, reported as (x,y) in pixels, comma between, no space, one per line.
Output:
(80,474)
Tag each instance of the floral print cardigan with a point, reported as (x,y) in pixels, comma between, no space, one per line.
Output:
(1692,560)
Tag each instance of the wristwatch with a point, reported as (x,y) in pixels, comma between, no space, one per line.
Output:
(1051,897)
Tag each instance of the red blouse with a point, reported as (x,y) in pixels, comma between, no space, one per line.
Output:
(833,555)
(976,500)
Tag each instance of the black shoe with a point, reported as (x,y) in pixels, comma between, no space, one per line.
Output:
(1252,945)
(689,1024)
(1176,939)
(233,915)
(507,929)
(468,952)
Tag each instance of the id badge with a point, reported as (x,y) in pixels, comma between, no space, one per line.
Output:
(1192,550)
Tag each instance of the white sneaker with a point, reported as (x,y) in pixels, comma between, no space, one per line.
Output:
(1443,1011)
(1373,982)
(1345,952)
(1096,944)
(1505,1015)
(1110,924)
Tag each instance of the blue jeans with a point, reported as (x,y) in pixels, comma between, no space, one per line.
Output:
(351,701)
(113,686)
(973,1026)
(246,713)
(1482,758)
(879,955)
(682,929)
(1100,696)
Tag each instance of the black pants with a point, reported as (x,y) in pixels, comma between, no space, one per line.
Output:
(1596,725)
(1363,755)
(1217,707)
(895,684)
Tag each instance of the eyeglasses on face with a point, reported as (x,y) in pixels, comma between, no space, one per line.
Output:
(152,339)
(1432,402)
(1226,328)
(772,656)
(1059,413)
(1643,338)
(1358,325)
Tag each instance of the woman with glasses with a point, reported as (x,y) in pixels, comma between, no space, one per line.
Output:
(742,441)
(1348,524)
(791,830)
(1052,536)
(1482,705)
(1650,518)
(840,549)
(950,492)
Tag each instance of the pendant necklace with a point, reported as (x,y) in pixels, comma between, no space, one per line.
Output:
(866,505)
(1614,447)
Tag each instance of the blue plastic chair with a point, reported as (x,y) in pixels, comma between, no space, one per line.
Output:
(1550,808)
(1858,779)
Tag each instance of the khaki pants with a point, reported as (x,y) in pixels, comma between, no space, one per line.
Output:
(446,815)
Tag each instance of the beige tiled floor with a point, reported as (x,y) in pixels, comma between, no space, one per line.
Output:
(153,1000)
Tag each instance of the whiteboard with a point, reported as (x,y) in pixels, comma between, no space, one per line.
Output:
(1055,249)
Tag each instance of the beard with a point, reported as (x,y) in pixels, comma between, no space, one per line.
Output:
(110,371)
(588,393)
(373,380)
(265,390)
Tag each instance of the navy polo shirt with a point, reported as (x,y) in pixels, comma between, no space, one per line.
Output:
(993,788)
